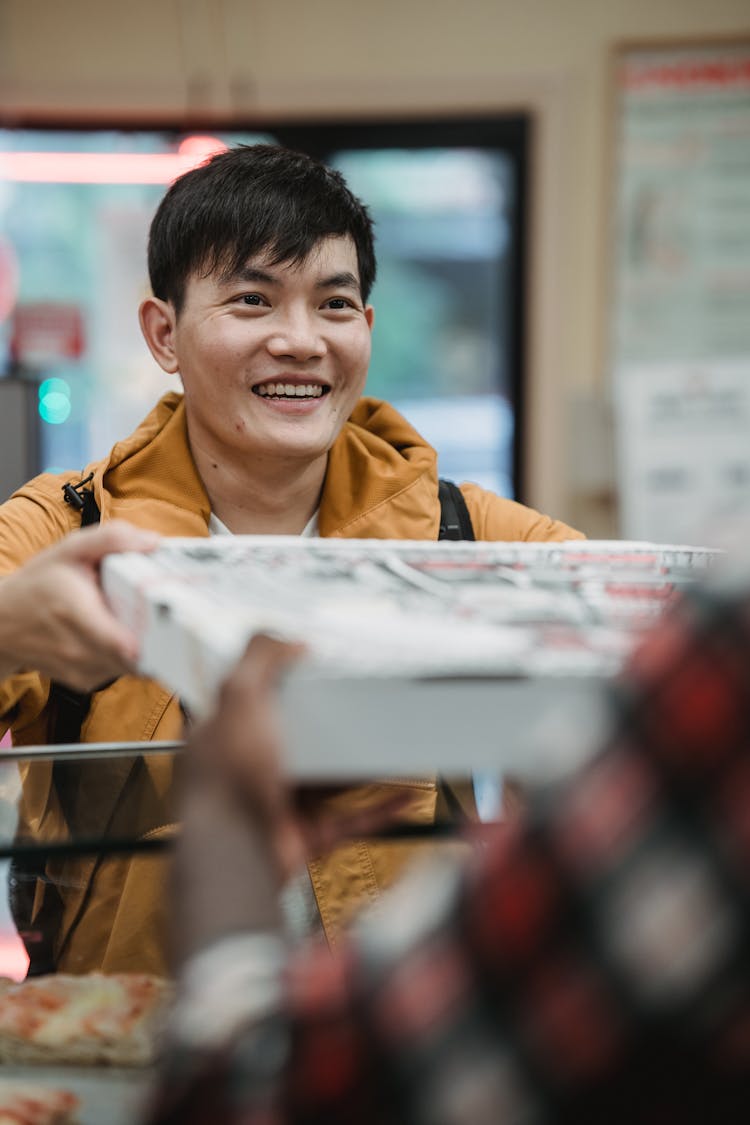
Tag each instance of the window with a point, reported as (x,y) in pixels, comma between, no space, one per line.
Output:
(447,199)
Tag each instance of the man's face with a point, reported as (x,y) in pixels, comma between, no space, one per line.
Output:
(274,359)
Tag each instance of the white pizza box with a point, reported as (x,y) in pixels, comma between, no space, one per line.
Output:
(420,657)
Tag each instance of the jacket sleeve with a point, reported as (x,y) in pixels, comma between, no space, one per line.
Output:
(497,519)
(33,518)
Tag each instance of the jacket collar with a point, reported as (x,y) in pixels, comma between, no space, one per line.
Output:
(150,477)
(381,480)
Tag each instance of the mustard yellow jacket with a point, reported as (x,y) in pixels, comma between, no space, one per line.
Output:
(381,483)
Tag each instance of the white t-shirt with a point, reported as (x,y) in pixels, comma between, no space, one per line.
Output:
(309,531)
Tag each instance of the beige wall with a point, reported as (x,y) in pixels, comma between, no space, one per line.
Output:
(168,59)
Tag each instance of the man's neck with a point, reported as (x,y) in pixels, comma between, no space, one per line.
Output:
(265,498)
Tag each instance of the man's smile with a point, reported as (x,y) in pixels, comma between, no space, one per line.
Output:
(284,390)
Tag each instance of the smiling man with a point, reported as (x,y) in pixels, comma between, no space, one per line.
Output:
(273,358)
(261,264)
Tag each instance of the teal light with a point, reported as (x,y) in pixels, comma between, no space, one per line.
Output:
(54,401)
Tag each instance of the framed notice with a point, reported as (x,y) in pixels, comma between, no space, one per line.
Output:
(680,321)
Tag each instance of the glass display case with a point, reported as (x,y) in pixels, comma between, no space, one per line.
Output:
(85,838)
(74,855)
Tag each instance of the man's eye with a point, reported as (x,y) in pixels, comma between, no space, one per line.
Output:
(338,303)
(251,299)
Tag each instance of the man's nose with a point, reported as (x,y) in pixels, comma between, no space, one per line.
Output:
(296,336)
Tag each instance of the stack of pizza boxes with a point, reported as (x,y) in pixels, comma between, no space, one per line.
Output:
(420,657)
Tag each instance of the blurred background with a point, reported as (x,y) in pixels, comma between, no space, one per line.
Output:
(562,201)
(561,191)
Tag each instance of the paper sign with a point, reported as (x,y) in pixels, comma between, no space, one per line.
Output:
(684,449)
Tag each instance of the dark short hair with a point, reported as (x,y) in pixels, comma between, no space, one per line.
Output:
(247,200)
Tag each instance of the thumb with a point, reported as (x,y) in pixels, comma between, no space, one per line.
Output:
(90,545)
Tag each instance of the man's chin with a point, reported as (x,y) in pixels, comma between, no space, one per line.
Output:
(293,452)
(305,442)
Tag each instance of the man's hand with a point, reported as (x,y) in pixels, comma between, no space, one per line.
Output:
(53,616)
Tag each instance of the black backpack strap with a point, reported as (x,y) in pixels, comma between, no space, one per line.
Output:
(455,524)
(455,521)
(68,711)
(70,708)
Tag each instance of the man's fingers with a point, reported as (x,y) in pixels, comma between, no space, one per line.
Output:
(55,618)
(101,650)
(91,544)
(107,635)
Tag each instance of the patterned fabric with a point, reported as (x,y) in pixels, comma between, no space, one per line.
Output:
(593,965)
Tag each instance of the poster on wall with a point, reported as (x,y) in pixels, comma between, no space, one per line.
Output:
(685,449)
(680,323)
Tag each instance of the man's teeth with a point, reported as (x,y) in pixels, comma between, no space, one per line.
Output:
(290,390)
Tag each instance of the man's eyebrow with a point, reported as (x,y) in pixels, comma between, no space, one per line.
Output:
(344,280)
(251,273)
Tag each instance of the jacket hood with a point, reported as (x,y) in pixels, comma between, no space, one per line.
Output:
(381,475)
(150,477)
(381,480)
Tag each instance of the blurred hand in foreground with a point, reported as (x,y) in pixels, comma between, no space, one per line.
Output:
(54,618)
(245,830)
(240,747)
(242,742)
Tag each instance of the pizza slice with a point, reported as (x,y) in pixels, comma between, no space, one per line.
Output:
(83,1020)
(22,1103)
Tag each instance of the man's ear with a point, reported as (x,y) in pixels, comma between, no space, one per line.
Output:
(370,316)
(158,320)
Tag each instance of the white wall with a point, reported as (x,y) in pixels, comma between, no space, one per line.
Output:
(165,60)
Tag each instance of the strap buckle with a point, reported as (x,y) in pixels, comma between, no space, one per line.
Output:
(72,493)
